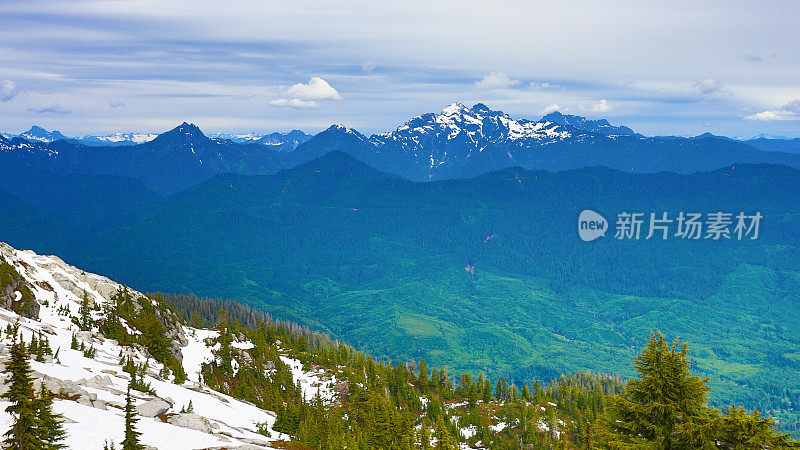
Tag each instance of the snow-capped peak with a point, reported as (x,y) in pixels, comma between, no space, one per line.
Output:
(478,126)
(458,132)
(39,134)
(453,109)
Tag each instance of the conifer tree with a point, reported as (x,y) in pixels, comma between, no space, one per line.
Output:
(22,435)
(663,406)
(486,391)
(51,430)
(423,375)
(588,438)
(424,437)
(131,441)
(444,441)
(526,393)
(85,321)
(501,390)
(738,429)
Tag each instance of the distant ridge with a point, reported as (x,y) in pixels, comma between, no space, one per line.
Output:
(457,142)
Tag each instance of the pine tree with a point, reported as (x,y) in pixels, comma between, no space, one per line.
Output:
(131,441)
(424,437)
(738,429)
(51,430)
(526,393)
(486,391)
(472,395)
(22,435)
(663,406)
(501,390)
(85,321)
(444,441)
(423,375)
(588,438)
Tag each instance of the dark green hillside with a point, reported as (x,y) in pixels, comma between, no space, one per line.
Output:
(90,202)
(28,228)
(380,262)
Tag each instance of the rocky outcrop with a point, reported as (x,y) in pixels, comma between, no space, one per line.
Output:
(188,420)
(153,408)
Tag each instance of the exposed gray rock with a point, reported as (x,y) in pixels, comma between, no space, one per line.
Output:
(65,388)
(188,420)
(153,408)
(96,382)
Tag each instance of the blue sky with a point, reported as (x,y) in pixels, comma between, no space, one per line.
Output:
(139,65)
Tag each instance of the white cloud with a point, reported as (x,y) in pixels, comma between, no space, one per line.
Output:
(707,87)
(496,80)
(601,107)
(765,116)
(53,108)
(789,111)
(550,109)
(308,95)
(542,86)
(596,107)
(368,66)
(315,89)
(793,106)
(8,90)
(295,103)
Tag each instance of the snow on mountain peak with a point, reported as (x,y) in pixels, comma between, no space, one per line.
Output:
(119,138)
(479,126)
(39,134)
(454,108)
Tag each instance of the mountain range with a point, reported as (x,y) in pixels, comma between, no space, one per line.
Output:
(452,238)
(283,141)
(458,142)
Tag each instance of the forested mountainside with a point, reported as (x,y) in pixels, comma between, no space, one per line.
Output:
(380,262)
(89,363)
(480,275)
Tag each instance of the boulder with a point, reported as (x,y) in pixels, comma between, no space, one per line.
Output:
(96,382)
(65,388)
(153,408)
(188,420)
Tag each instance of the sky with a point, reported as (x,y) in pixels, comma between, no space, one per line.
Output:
(662,68)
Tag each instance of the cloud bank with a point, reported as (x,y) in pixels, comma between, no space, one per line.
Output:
(789,111)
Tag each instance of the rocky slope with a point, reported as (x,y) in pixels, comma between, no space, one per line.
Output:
(91,384)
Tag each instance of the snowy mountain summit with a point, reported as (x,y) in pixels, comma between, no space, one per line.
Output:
(39,134)
(458,132)
(74,314)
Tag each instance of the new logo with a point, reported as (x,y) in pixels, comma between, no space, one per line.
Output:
(591,225)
